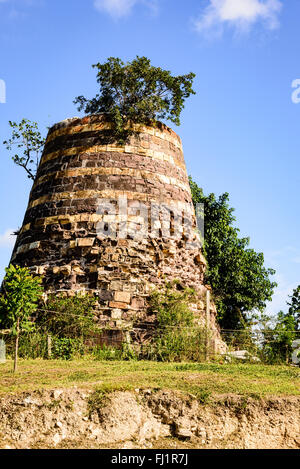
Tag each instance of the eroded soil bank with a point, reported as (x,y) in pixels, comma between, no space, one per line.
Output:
(81,418)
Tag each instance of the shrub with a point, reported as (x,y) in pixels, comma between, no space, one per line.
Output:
(33,346)
(176,344)
(171,304)
(69,317)
(66,348)
(177,338)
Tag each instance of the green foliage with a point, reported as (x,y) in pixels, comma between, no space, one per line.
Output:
(277,344)
(239,279)
(204,396)
(178,344)
(137,92)
(21,293)
(33,345)
(105,353)
(128,352)
(176,339)
(68,317)
(242,340)
(100,397)
(97,400)
(171,305)
(294,307)
(67,348)
(27,138)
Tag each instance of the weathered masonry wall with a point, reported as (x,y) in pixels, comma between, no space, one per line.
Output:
(59,240)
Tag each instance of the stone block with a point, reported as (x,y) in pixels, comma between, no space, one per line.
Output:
(118,305)
(85,242)
(122,296)
(77,270)
(116,285)
(42,269)
(66,270)
(116,314)
(138,303)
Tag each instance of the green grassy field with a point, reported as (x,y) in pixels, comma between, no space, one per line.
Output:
(200,379)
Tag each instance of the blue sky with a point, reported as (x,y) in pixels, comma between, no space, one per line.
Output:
(240,132)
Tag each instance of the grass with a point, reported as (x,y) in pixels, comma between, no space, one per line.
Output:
(201,379)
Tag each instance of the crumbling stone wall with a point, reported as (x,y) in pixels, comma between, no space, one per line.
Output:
(80,167)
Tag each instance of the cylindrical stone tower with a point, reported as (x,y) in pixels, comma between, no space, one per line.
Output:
(95,221)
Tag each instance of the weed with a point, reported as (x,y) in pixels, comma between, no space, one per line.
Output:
(100,397)
(203,396)
(54,404)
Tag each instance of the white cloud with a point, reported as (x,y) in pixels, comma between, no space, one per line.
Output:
(240,14)
(7,239)
(18,9)
(116,8)
(119,8)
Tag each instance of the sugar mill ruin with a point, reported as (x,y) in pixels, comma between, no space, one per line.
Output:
(82,228)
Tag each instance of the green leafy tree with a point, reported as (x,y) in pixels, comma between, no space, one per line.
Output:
(28,142)
(137,92)
(277,346)
(241,284)
(19,300)
(294,307)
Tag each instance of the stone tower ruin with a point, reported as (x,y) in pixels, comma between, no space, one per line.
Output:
(83,227)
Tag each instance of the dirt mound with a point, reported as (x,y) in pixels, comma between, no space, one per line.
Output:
(94,419)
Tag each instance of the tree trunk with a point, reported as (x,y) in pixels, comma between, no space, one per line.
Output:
(17,346)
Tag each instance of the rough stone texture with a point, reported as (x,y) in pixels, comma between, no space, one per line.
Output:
(62,418)
(59,237)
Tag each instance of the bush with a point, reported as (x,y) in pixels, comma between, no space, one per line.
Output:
(171,304)
(66,348)
(175,344)
(31,345)
(277,341)
(177,338)
(68,317)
